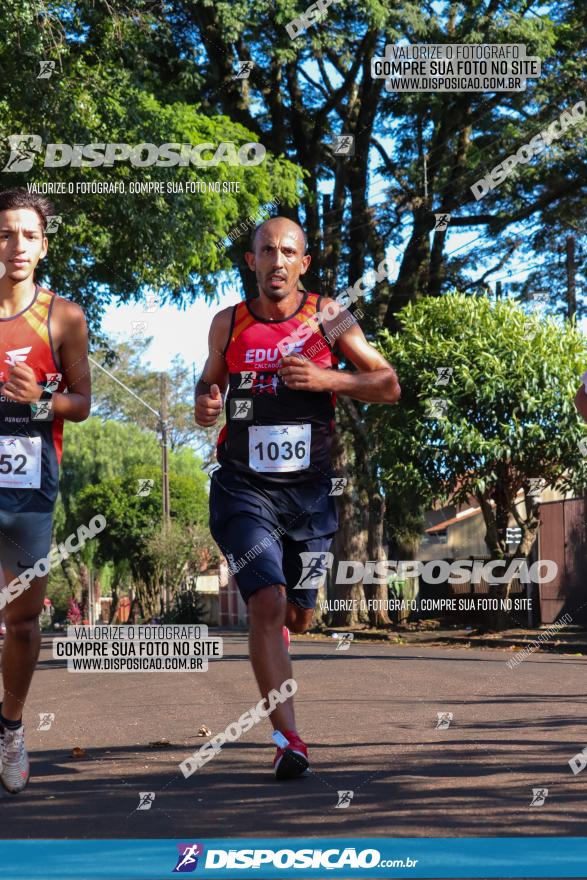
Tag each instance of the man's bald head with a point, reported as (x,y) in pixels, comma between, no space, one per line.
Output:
(285,220)
(278,257)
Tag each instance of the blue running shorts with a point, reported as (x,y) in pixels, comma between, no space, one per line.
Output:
(24,539)
(262,530)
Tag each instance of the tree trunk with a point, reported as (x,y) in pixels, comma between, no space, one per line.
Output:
(71,575)
(85,590)
(378,615)
(350,540)
(412,279)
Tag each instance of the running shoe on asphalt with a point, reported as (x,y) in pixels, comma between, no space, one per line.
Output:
(286,637)
(291,760)
(15,761)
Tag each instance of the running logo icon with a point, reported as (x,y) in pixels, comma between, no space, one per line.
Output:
(344,145)
(47,69)
(246,380)
(266,383)
(344,641)
(344,799)
(314,568)
(444,375)
(146,800)
(245,69)
(437,408)
(23,148)
(53,223)
(241,409)
(539,796)
(338,485)
(189,854)
(46,719)
(52,381)
(441,222)
(443,720)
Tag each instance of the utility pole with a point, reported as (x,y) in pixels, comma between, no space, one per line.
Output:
(165,475)
(571,269)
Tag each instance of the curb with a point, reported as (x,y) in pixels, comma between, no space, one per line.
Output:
(435,638)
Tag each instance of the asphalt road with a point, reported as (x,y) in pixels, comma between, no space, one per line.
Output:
(369,716)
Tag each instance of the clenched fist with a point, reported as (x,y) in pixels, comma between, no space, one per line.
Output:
(208,407)
(22,386)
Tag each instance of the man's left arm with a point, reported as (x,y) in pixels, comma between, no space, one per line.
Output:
(581,398)
(374,382)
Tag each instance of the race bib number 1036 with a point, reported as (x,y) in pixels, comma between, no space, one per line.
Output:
(279,448)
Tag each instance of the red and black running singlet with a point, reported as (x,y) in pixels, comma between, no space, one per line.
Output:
(272,432)
(30,448)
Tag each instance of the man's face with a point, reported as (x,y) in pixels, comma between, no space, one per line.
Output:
(278,260)
(22,243)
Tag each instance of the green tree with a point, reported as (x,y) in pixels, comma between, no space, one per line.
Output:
(171,551)
(133,519)
(505,417)
(168,73)
(107,244)
(99,452)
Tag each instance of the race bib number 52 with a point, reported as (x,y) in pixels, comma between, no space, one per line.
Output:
(20,462)
(279,448)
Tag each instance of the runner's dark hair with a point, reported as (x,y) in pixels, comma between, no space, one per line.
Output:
(22,198)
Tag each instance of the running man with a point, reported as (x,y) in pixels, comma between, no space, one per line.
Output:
(271,492)
(581,397)
(44,379)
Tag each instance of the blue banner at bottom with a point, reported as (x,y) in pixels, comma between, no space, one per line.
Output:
(304,858)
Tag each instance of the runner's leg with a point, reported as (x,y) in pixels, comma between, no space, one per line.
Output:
(298,620)
(22,644)
(269,656)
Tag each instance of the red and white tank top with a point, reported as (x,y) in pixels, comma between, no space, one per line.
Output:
(30,448)
(274,433)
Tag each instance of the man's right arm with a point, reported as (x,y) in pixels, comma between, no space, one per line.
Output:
(214,378)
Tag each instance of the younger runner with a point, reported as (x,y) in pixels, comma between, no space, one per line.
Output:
(44,380)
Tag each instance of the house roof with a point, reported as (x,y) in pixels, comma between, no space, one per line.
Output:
(462,515)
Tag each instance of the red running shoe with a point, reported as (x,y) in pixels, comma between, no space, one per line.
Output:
(286,637)
(291,760)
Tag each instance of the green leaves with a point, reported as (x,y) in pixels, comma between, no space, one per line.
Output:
(509,398)
(111,85)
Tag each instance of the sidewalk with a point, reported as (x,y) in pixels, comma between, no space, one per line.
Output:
(571,640)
